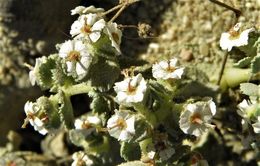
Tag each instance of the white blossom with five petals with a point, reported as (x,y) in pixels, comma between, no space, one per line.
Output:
(234,38)
(77,57)
(196,118)
(167,70)
(131,90)
(88,26)
(121,125)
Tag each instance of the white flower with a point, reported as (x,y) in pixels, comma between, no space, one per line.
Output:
(86,123)
(130,90)
(196,118)
(81,159)
(121,126)
(114,35)
(256,125)
(234,38)
(77,57)
(32,73)
(86,10)
(88,26)
(167,70)
(32,110)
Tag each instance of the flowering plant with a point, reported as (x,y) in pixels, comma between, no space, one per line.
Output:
(143,115)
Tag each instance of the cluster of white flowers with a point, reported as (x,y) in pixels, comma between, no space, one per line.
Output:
(87,29)
(81,159)
(35,117)
(234,38)
(167,70)
(246,110)
(121,125)
(131,90)
(196,118)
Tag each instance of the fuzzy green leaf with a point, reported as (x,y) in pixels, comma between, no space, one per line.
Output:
(100,104)
(130,151)
(250,89)
(243,62)
(103,74)
(251,48)
(77,138)
(255,65)
(195,74)
(44,74)
(103,48)
(133,163)
(141,130)
(159,92)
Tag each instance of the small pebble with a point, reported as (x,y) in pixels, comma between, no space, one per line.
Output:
(186,55)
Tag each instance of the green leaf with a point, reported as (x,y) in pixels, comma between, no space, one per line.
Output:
(130,151)
(133,163)
(195,74)
(44,74)
(141,130)
(255,65)
(251,48)
(250,89)
(89,140)
(100,104)
(159,92)
(245,62)
(78,138)
(103,48)
(103,74)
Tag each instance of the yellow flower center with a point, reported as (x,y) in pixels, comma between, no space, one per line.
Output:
(196,118)
(121,123)
(86,29)
(73,56)
(170,68)
(86,125)
(234,34)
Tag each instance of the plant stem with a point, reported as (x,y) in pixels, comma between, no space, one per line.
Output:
(112,9)
(77,89)
(118,13)
(236,11)
(222,68)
